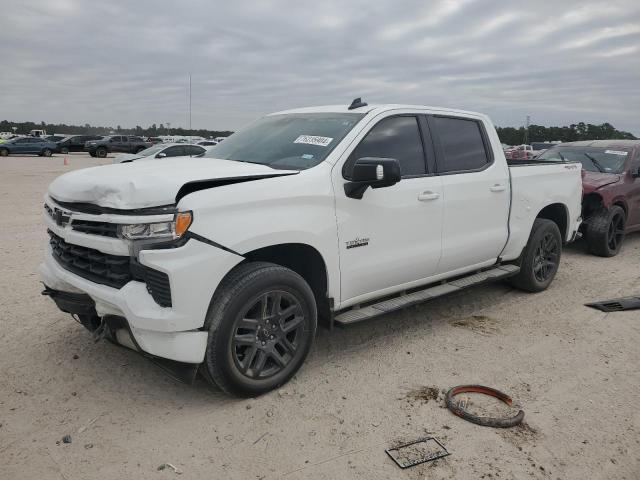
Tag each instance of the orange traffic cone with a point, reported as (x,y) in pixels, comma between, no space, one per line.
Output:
(66,160)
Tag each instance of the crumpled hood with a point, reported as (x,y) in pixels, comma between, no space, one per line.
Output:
(148,184)
(591,181)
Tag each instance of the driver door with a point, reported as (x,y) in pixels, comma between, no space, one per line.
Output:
(391,237)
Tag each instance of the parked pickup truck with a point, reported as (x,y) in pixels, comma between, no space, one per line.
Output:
(116,143)
(225,263)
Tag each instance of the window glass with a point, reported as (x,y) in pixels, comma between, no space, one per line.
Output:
(135,139)
(462,145)
(394,137)
(593,159)
(287,141)
(194,150)
(174,151)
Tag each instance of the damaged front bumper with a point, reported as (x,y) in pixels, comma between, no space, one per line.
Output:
(173,333)
(115,329)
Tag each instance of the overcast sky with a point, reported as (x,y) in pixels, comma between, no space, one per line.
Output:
(127,62)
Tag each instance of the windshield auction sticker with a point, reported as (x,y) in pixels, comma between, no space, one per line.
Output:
(313,140)
(616,152)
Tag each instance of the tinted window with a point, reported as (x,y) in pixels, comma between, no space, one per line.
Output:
(193,150)
(461,143)
(394,137)
(135,139)
(174,151)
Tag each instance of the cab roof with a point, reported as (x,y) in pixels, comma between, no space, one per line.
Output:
(378,108)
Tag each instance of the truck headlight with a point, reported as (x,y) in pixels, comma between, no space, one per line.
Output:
(172,229)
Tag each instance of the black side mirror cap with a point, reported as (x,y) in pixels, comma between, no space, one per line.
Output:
(372,172)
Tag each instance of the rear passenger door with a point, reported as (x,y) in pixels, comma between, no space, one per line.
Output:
(476,192)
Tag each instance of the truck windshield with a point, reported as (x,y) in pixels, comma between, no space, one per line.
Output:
(605,160)
(294,141)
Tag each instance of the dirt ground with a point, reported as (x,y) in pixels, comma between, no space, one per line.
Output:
(573,370)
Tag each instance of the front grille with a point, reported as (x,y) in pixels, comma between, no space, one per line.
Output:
(96,228)
(112,270)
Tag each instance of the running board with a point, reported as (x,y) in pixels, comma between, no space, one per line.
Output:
(356,315)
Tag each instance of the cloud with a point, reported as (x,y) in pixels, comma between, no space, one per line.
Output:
(128,63)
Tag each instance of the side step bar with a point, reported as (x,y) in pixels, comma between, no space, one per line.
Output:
(350,317)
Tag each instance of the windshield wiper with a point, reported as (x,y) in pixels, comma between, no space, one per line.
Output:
(595,162)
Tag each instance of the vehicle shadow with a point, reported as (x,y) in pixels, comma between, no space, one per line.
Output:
(112,368)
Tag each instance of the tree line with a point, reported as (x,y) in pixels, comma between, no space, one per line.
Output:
(508,135)
(154,130)
(572,133)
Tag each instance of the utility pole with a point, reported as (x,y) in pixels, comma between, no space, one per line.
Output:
(189,102)
(526,130)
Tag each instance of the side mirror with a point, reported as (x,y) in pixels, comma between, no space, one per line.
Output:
(372,172)
(161,155)
(635,172)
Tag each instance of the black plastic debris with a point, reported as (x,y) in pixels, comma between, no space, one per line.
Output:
(616,304)
(417,452)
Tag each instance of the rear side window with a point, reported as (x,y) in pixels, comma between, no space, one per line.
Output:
(461,145)
(393,137)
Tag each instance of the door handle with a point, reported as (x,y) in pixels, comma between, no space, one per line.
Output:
(498,188)
(428,195)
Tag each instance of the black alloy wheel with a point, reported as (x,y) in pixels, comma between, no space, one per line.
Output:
(268,334)
(615,234)
(545,260)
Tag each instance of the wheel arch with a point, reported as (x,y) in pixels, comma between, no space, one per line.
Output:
(306,261)
(559,214)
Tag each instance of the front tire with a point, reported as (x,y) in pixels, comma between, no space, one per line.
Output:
(4,152)
(46,152)
(541,257)
(101,152)
(606,231)
(262,322)
(64,150)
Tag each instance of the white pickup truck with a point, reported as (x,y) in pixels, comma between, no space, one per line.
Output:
(225,263)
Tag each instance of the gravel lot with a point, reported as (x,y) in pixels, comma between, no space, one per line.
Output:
(574,371)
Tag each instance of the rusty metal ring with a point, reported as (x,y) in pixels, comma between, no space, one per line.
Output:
(484,421)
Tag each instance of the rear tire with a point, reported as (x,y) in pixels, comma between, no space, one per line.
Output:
(101,152)
(93,154)
(606,231)
(540,258)
(46,152)
(4,152)
(64,150)
(262,322)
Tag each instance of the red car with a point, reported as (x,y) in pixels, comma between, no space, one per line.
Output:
(610,189)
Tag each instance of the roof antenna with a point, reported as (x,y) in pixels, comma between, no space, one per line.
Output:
(357,103)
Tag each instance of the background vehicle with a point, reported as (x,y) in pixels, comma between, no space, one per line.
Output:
(519,152)
(75,143)
(116,144)
(27,145)
(154,140)
(611,185)
(38,133)
(163,150)
(226,262)
(208,143)
(55,138)
(539,148)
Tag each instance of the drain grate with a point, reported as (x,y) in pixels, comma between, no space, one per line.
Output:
(616,304)
(417,452)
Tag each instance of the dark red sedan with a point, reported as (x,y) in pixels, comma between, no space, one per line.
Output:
(611,189)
